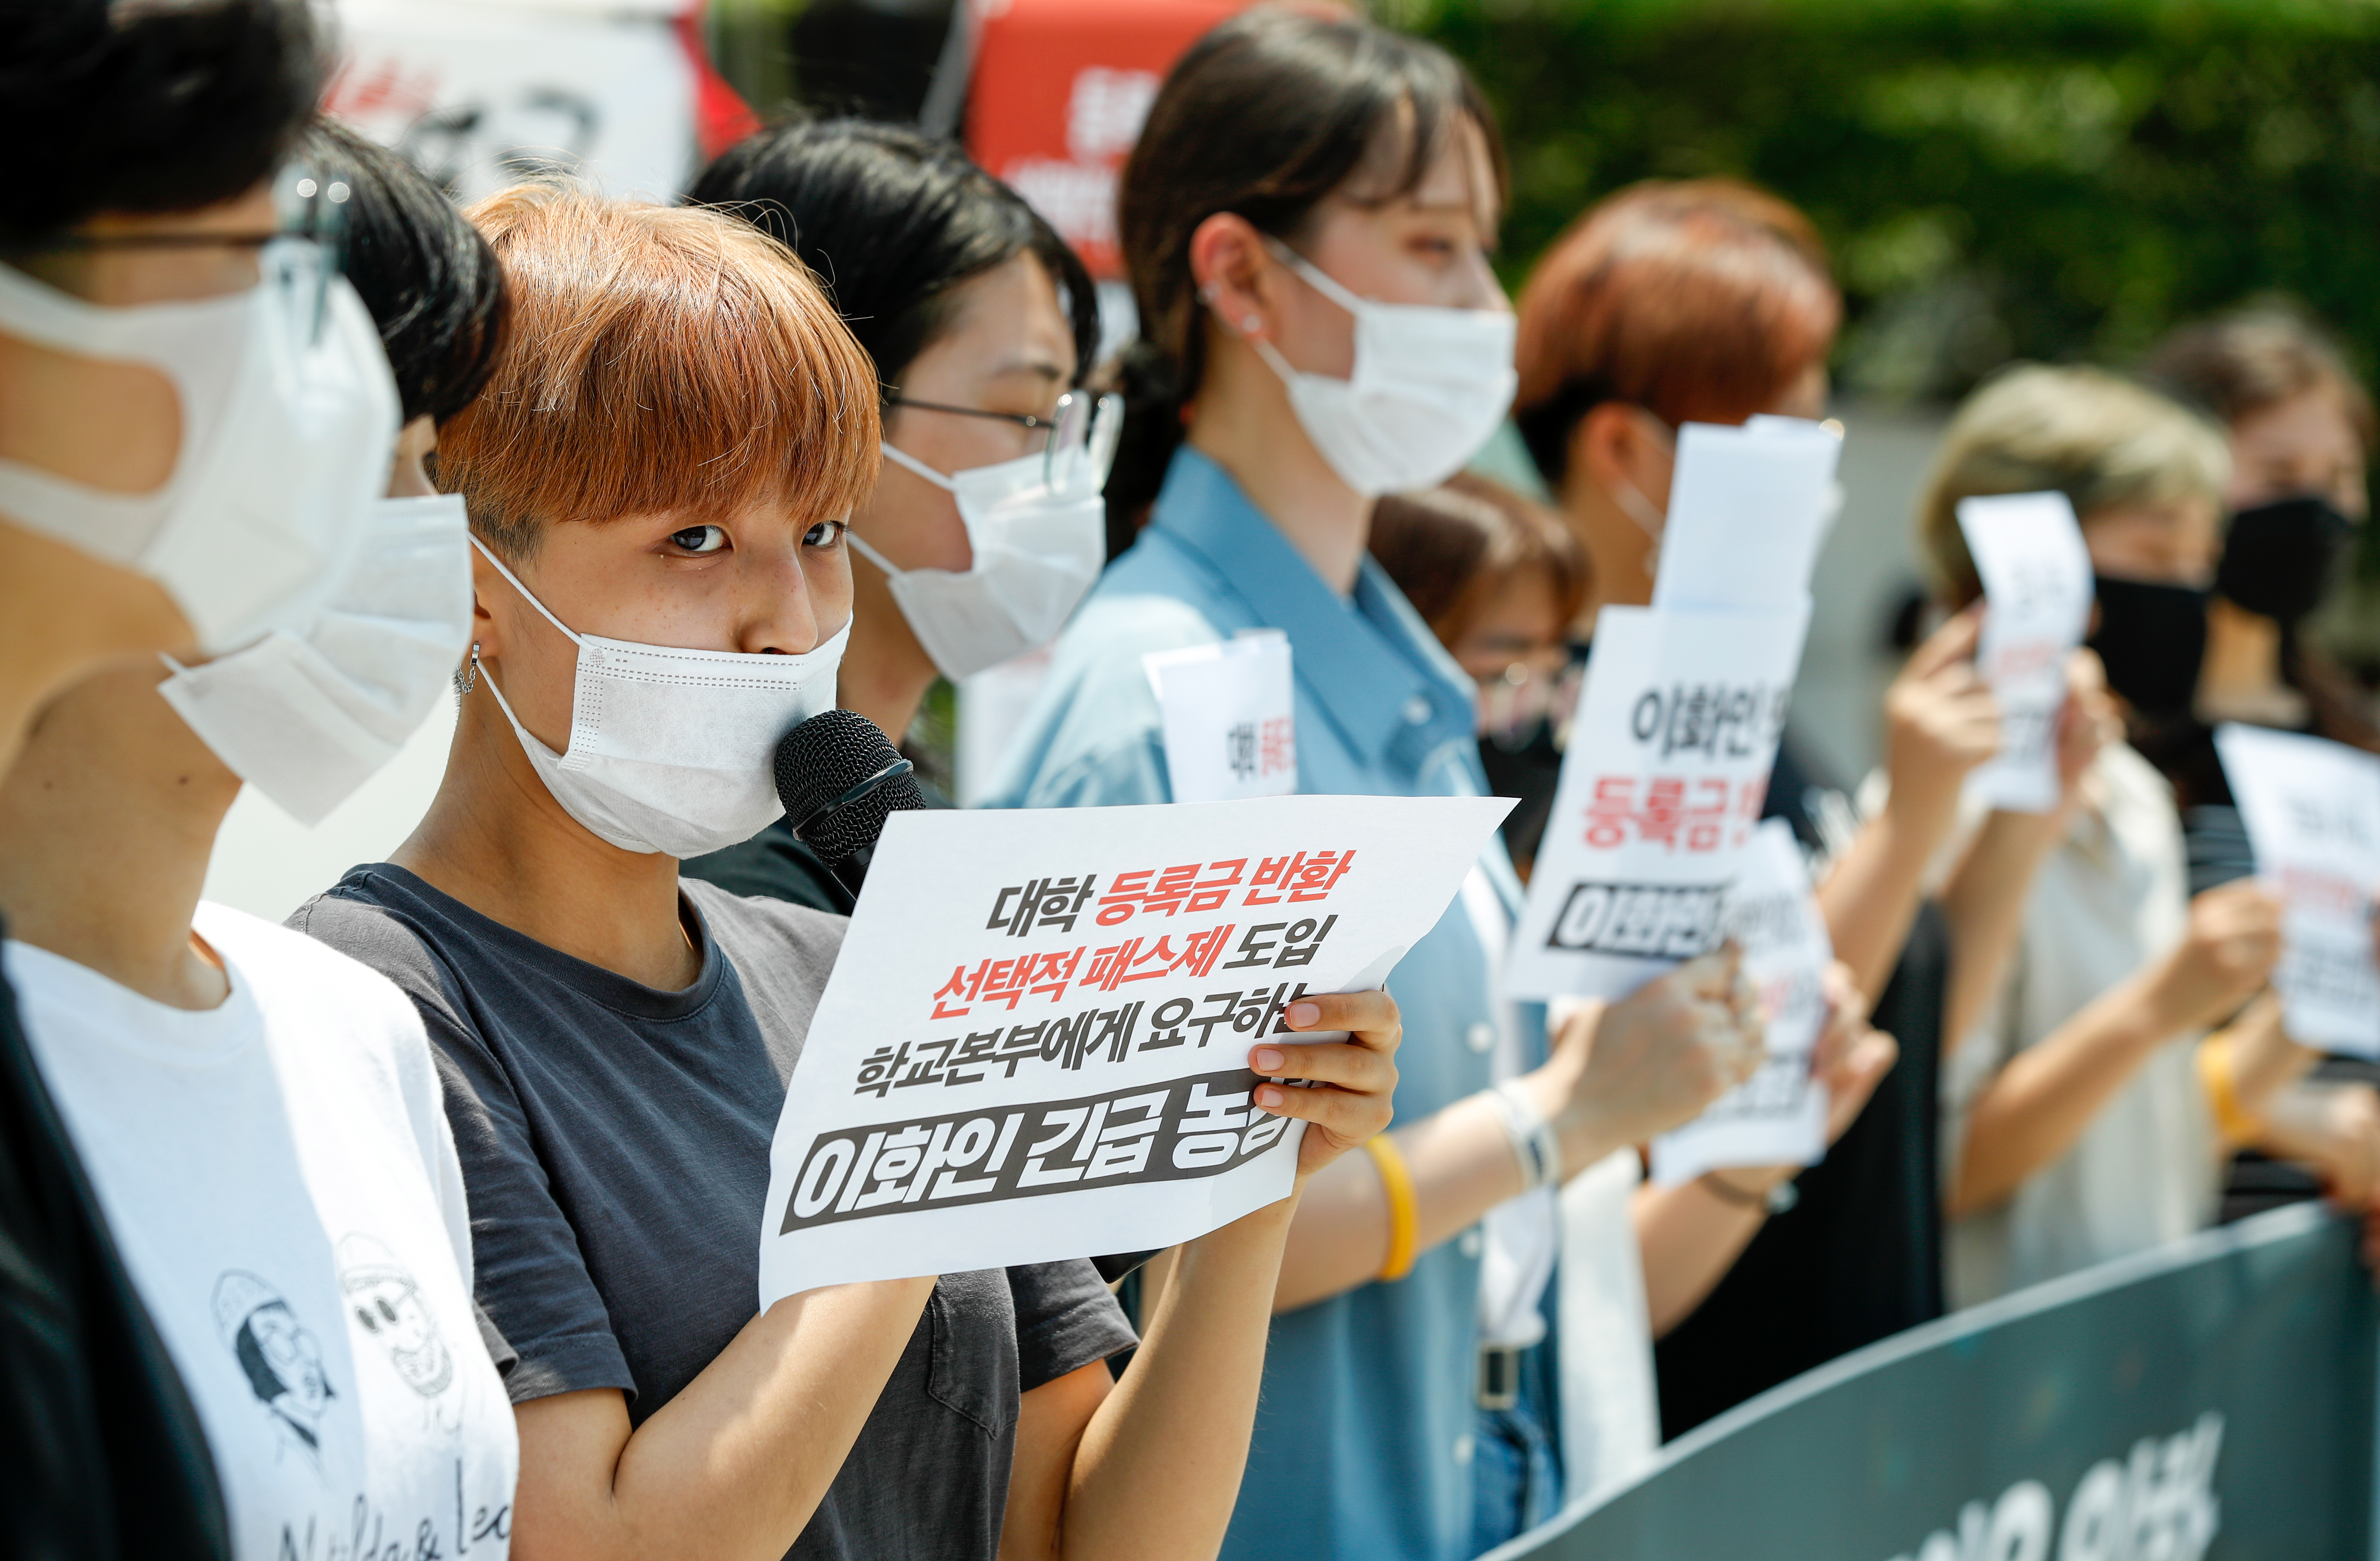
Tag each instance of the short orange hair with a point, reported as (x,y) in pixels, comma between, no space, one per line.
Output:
(1699,300)
(660,358)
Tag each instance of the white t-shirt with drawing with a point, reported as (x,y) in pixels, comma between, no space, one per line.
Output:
(279,1175)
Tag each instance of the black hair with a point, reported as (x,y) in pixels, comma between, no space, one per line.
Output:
(263,1379)
(1266,116)
(891,220)
(433,284)
(146,106)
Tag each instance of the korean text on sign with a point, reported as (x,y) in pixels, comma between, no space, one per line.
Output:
(2312,812)
(1229,715)
(1034,1043)
(1778,1116)
(1661,790)
(2037,591)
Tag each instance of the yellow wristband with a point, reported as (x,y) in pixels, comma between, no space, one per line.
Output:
(1404,1219)
(2234,1126)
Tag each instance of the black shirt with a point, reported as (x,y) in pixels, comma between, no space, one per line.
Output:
(614,1141)
(1859,1255)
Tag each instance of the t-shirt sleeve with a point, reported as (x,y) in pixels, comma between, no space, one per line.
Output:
(530,1276)
(1065,1319)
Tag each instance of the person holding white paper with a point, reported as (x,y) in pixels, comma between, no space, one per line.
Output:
(2081,1119)
(1307,217)
(980,323)
(1710,302)
(661,592)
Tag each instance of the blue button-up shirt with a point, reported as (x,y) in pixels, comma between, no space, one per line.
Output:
(1369,1395)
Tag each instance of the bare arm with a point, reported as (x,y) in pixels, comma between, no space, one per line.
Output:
(1690,1234)
(735,1465)
(2047,1095)
(1149,1469)
(1941,723)
(1620,1073)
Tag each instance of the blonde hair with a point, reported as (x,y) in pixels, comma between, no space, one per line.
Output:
(660,358)
(2101,439)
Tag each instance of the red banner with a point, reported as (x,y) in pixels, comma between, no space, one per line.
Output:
(1060,89)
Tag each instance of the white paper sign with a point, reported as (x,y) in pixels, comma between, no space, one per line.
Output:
(2036,575)
(2313,812)
(1230,717)
(1778,1116)
(1663,781)
(480,94)
(1747,512)
(1033,1045)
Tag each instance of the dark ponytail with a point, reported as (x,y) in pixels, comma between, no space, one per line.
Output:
(1264,116)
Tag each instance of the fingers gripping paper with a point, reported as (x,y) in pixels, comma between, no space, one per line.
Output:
(1778,1116)
(1034,1044)
(2312,812)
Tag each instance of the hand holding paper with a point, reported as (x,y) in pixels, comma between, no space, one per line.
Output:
(1352,1084)
(1658,1057)
(2312,812)
(1038,1040)
(1779,1117)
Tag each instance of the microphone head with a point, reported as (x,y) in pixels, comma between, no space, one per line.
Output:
(840,778)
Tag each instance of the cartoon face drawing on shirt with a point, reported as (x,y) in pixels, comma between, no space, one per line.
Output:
(282,1361)
(386,1304)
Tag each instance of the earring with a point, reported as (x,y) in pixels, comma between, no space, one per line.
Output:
(468,676)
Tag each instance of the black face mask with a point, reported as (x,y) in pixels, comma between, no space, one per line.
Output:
(2153,638)
(2278,559)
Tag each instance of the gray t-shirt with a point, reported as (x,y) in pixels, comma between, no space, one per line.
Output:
(614,1141)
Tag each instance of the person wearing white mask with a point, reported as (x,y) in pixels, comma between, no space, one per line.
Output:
(986,526)
(1307,219)
(306,717)
(160,129)
(255,1110)
(657,478)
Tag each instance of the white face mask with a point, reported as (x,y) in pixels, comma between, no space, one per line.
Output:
(1430,386)
(287,433)
(307,718)
(1038,529)
(674,750)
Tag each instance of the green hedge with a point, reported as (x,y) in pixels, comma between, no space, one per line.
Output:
(2029,179)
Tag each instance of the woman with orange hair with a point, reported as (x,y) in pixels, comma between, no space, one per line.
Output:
(658,477)
(1708,301)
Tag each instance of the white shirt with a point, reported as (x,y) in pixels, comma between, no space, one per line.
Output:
(2112,896)
(1610,1407)
(279,1175)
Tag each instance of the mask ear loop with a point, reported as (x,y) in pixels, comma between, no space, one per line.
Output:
(903,459)
(513,580)
(869,553)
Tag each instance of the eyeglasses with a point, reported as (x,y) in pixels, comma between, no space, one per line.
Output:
(1083,432)
(295,258)
(1526,698)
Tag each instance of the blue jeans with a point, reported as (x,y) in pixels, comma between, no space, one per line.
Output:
(1515,1464)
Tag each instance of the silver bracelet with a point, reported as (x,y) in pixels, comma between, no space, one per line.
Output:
(1533,1142)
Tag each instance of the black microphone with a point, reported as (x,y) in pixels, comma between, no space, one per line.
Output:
(840,778)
